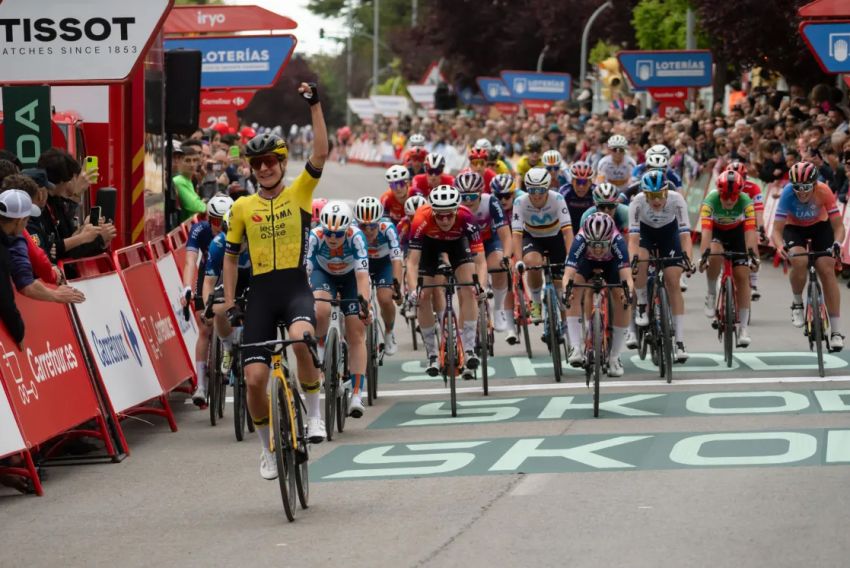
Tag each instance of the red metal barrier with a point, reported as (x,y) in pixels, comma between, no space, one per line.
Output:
(155,314)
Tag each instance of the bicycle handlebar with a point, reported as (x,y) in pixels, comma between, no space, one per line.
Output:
(597,285)
(273,345)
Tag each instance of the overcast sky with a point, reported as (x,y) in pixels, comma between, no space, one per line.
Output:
(308,25)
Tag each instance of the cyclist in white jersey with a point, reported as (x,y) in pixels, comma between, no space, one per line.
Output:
(616,167)
(541,225)
(659,225)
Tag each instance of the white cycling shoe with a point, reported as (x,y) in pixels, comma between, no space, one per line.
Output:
(390,345)
(355,406)
(315,430)
(268,465)
(615,368)
(500,320)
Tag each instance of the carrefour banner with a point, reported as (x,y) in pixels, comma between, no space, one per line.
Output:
(247,62)
(118,346)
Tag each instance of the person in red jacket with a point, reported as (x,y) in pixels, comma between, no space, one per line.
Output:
(433,176)
(478,163)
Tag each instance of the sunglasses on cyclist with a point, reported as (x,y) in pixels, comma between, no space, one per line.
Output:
(477,163)
(580,181)
(606,208)
(599,244)
(470,196)
(553,168)
(537,190)
(444,216)
(397,184)
(619,150)
(215,222)
(369,226)
(269,160)
(503,196)
(655,194)
(434,171)
(803,187)
(335,234)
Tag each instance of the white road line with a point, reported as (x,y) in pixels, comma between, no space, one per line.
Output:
(608,384)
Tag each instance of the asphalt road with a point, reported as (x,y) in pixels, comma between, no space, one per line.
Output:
(726,467)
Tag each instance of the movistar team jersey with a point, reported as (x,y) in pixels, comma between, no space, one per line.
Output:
(352,254)
(215,259)
(277,228)
(714,216)
(386,242)
(621,217)
(546,221)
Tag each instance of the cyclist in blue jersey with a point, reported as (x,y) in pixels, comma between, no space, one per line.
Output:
(578,194)
(338,265)
(599,247)
(385,268)
(200,236)
(212,279)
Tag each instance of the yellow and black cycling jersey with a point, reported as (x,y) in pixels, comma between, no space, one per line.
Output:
(277,228)
(524,165)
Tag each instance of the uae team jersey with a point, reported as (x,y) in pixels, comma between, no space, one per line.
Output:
(820,206)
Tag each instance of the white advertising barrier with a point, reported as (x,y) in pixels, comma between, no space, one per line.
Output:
(423,95)
(10,436)
(113,336)
(174,290)
(390,106)
(76,42)
(363,108)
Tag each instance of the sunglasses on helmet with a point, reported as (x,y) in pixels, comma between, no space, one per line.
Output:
(803,187)
(269,160)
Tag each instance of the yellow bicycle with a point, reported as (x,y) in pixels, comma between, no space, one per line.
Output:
(288,440)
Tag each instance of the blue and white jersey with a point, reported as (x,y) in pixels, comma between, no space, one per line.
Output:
(386,243)
(546,221)
(215,256)
(672,176)
(353,254)
(616,252)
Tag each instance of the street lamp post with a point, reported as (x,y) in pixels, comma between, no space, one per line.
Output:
(584,35)
(375,46)
(348,62)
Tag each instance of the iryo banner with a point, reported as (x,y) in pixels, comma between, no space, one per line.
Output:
(529,85)
(244,62)
(673,68)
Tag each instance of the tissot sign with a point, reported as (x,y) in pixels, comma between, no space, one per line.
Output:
(75,42)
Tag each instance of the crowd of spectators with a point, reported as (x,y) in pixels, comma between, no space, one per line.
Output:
(767,128)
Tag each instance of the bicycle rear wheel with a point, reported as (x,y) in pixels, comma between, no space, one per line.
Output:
(597,360)
(345,393)
(239,408)
(483,345)
(451,361)
(302,457)
(330,368)
(523,322)
(666,355)
(816,330)
(283,451)
(411,322)
(371,363)
(729,321)
(554,324)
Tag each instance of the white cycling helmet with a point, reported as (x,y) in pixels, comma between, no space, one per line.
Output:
(416,140)
(537,178)
(618,141)
(469,182)
(605,193)
(483,144)
(435,162)
(656,161)
(598,227)
(397,173)
(368,210)
(335,216)
(444,198)
(413,203)
(551,158)
(218,206)
(659,149)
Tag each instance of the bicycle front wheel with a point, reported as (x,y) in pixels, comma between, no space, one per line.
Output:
(553,322)
(729,321)
(344,393)
(330,368)
(239,414)
(666,355)
(816,329)
(451,361)
(597,360)
(483,345)
(523,322)
(284,453)
(214,380)
(302,458)
(411,322)
(371,364)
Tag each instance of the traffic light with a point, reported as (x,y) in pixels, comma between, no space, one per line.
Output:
(612,78)
(444,99)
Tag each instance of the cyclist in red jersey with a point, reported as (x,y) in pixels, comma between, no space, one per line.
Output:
(414,160)
(393,199)
(433,176)
(478,164)
(445,226)
(754,191)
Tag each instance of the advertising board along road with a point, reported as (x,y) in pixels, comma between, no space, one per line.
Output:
(667,68)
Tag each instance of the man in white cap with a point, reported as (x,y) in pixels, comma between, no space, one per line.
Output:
(15,208)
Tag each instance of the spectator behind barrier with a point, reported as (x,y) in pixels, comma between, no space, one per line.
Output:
(188,199)
(15,207)
(29,261)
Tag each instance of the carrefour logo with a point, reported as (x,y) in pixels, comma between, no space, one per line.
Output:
(131,338)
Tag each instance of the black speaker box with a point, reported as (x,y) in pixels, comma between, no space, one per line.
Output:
(182,90)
